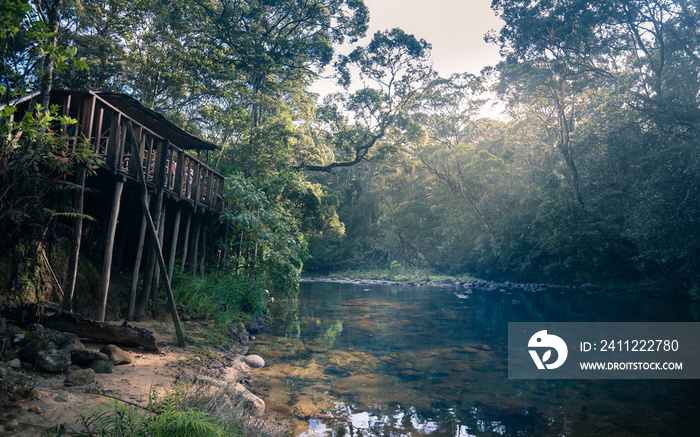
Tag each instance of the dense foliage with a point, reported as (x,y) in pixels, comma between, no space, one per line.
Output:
(589,175)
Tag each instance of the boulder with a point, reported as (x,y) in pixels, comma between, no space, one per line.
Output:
(102,366)
(30,351)
(57,337)
(36,328)
(85,357)
(9,355)
(81,377)
(55,361)
(73,345)
(72,368)
(117,355)
(255,361)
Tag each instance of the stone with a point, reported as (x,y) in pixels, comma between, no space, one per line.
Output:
(253,327)
(255,361)
(36,328)
(117,355)
(84,357)
(81,377)
(239,394)
(12,329)
(11,426)
(72,368)
(55,361)
(73,345)
(15,364)
(9,355)
(64,397)
(57,337)
(30,351)
(101,366)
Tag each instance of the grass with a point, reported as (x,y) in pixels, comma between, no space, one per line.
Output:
(222,299)
(198,410)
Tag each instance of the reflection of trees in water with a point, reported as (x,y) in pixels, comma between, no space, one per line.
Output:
(425,345)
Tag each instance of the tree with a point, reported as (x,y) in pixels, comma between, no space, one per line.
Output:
(395,68)
(449,108)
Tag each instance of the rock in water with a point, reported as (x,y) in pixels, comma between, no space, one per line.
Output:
(254,361)
(81,377)
(117,355)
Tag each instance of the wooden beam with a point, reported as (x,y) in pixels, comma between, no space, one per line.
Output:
(161,261)
(151,265)
(137,266)
(109,244)
(203,260)
(80,173)
(173,243)
(156,273)
(195,246)
(186,242)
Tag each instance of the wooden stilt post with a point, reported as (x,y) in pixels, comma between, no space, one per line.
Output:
(173,244)
(195,246)
(109,244)
(156,273)
(154,238)
(80,173)
(151,250)
(203,259)
(186,242)
(137,266)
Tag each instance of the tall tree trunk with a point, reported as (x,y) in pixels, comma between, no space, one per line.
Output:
(51,12)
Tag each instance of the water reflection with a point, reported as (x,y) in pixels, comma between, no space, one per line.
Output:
(429,361)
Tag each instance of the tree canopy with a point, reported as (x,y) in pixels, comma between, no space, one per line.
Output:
(590,174)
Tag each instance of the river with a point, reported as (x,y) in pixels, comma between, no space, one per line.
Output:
(374,360)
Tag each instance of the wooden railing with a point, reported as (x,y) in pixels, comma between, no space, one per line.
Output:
(165,164)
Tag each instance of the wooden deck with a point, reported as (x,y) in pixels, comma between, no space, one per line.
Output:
(102,117)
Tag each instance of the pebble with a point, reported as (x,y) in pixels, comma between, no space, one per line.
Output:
(64,397)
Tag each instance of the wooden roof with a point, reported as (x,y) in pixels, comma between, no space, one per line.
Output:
(139,113)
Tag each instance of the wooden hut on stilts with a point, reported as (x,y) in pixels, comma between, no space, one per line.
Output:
(152,179)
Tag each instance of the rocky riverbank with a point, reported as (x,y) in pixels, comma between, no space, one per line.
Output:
(452,283)
(48,374)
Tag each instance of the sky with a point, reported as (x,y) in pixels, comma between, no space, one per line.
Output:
(455,28)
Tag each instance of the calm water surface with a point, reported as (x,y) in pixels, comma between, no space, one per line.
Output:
(348,360)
